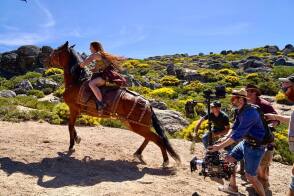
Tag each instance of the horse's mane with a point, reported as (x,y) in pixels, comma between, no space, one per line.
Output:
(78,73)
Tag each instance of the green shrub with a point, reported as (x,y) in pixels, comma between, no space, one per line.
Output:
(47,91)
(269,87)
(291,54)
(227,72)
(282,71)
(232,80)
(53,71)
(111,123)
(210,75)
(164,92)
(37,93)
(59,92)
(169,81)
(232,57)
(57,78)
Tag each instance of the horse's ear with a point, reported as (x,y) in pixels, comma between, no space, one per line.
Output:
(72,46)
(66,44)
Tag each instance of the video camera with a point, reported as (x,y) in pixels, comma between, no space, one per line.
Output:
(213,164)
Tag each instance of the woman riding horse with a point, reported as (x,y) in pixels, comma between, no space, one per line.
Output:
(103,66)
(66,58)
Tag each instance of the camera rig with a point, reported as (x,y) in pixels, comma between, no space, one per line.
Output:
(213,164)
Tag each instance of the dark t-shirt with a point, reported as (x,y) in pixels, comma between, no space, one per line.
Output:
(265,106)
(218,122)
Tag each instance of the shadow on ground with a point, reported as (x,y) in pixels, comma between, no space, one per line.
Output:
(64,170)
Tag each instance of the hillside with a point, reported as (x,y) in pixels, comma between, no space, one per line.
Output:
(33,162)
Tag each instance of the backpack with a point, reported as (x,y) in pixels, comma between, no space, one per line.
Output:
(268,136)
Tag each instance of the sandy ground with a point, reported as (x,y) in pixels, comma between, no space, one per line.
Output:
(33,161)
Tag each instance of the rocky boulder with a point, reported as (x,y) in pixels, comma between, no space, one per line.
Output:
(170,69)
(158,104)
(171,120)
(28,58)
(23,87)
(272,49)
(290,62)
(25,58)
(43,83)
(8,64)
(43,57)
(7,93)
(288,48)
(280,61)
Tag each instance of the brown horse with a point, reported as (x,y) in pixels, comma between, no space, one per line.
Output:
(65,57)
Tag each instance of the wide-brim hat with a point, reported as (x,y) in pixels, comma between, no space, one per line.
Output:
(239,93)
(288,79)
(254,88)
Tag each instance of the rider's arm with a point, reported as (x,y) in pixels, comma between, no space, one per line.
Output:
(281,118)
(90,59)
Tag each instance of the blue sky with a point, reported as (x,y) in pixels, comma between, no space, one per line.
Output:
(142,28)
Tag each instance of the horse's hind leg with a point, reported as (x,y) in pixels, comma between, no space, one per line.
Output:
(149,136)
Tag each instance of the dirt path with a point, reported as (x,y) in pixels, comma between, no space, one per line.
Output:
(33,162)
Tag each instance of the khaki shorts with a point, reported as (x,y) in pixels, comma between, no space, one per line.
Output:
(267,158)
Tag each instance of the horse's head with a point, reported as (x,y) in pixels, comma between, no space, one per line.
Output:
(60,57)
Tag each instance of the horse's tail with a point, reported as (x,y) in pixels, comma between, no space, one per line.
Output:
(159,130)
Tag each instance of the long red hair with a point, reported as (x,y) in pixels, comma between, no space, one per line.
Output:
(113,59)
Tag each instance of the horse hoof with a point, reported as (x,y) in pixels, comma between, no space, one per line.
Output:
(165,164)
(70,151)
(139,157)
(78,139)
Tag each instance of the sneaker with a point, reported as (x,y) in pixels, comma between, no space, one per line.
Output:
(100,105)
(228,189)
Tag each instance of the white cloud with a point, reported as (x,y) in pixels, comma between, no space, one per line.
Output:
(17,39)
(126,36)
(50,19)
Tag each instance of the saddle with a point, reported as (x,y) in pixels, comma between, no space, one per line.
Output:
(134,106)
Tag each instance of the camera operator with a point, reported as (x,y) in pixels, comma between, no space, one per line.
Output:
(249,127)
(220,121)
(288,88)
(253,96)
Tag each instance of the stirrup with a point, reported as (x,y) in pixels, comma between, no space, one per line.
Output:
(100,105)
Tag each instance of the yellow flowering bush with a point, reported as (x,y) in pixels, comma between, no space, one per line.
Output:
(194,86)
(169,81)
(227,72)
(53,71)
(232,80)
(281,98)
(164,92)
(62,110)
(187,133)
(88,120)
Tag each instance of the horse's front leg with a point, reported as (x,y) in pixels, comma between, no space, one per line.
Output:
(72,131)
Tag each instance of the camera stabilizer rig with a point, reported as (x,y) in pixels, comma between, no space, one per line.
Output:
(213,164)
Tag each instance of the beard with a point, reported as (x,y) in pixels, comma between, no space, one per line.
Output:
(290,94)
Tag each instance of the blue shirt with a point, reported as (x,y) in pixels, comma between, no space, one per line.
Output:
(248,123)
